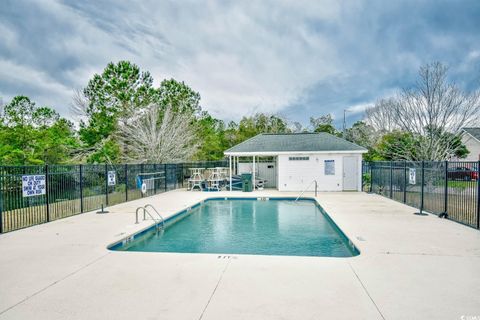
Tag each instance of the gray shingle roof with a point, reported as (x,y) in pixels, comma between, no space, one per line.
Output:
(295,142)
(475,132)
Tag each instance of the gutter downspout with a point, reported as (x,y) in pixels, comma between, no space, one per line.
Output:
(253,173)
(230,171)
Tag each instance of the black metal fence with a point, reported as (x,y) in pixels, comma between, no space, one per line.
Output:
(446,188)
(74,189)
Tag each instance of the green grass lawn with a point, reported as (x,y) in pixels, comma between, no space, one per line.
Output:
(459,184)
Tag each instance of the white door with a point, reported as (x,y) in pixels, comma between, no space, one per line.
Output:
(350,173)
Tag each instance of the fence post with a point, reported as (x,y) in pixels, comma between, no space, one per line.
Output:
(47,196)
(81,188)
(176,175)
(422,189)
(391,179)
(371,177)
(445,203)
(185,169)
(126,182)
(478,194)
(165,170)
(106,184)
(1,200)
(154,181)
(404,181)
(422,196)
(182,174)
(141,171)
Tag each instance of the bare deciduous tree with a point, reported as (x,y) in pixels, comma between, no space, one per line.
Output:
(79,105)
(297,127)
(433,112)
(158,137)
(380,116)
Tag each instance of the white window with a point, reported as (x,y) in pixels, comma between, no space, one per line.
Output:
(329,167)
(298,158)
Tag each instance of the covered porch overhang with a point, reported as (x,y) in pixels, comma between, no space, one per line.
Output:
(233,160)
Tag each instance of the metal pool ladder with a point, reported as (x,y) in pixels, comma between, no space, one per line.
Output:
(301,194)
(158,220)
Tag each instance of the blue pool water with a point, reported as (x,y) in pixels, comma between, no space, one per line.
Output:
(272,227)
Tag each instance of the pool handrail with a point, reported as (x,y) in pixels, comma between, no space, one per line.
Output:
(136,214)
(301,194)
(145,212)
(148,205)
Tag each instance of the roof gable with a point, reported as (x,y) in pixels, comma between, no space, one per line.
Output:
(474,132)
(294,142)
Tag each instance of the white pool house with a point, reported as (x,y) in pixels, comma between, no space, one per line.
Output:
(294,161)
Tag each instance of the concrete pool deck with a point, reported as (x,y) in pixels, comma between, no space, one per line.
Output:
(410,267)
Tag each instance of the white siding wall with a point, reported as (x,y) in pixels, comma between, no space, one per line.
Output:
(297,175)
(359,181)
(473,146)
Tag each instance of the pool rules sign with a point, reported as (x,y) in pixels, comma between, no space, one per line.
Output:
(111,178)
(33,185)
(412,176)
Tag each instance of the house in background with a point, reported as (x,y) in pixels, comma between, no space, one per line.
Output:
(292,161)
(471,139)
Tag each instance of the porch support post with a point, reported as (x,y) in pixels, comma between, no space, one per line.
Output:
(230,164)
(253,174)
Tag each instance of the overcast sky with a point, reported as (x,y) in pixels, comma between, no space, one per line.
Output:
(294,58)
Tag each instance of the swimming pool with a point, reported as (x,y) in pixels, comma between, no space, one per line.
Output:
(248,226)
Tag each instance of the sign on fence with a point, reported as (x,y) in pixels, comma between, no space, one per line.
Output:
(111,178)
(412,176)
(33,185)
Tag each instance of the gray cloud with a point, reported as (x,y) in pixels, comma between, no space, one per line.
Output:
(296,58)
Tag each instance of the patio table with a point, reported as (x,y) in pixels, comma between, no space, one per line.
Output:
(196,178)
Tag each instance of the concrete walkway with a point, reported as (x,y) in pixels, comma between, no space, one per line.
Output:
(410,267)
